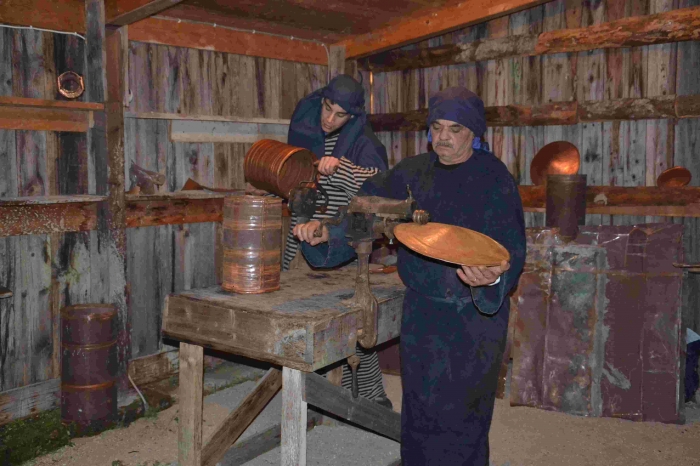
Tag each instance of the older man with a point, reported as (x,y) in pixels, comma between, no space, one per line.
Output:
(455,319)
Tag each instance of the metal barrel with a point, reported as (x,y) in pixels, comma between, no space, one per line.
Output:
(252,244)
(89,365)
(566,204)
(278,167)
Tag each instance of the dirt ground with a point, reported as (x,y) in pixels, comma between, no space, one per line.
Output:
(519,436)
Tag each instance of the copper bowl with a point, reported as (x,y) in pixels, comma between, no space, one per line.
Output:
(674,177)
(556,158)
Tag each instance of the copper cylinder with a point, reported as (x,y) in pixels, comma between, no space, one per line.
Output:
(277,167)
(89,365)
(252,244)
(566,204)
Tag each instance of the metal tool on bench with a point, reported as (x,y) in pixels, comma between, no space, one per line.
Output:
(369,218)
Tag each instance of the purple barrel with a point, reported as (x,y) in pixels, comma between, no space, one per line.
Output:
(89,366)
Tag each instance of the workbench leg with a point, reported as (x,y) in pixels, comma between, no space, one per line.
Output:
(293,418)
(190,401)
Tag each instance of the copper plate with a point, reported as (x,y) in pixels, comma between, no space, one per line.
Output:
(674,177)
(556,158)
(452,244)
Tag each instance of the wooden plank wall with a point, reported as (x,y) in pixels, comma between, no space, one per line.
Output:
(168,79)
(45,272)
(627,153)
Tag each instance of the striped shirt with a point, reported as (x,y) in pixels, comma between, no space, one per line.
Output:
(341,187)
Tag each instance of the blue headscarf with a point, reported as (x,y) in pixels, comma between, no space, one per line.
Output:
(305,127)
(462,106)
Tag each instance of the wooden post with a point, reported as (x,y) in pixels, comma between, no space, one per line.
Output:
(189,444)
(336,61)
(293,418)
(106,147)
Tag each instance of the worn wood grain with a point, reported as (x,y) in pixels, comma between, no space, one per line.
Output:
(626,200)
(154,367)
(239,419)
(47,218)
(29,400)
(294,412)
(61,15)
(44,120)
(205,37)
(288,327)
(321,393)
(120,13)
(672,26)
(189,443)
(407,30)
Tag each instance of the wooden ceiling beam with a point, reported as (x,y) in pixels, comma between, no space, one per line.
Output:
(125,12)
(219,39)
(671,26)
(59,15)
(439,21)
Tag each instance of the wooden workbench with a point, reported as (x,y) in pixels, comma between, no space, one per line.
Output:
(309,324)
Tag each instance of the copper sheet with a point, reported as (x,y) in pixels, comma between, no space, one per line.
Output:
(451,244)
(556,158)
(674,177)
(598,325)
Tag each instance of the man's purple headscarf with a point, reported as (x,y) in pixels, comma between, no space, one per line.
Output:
(460,105)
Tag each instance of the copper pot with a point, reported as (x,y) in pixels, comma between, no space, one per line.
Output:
(556,158)
(277,167)
(674,177)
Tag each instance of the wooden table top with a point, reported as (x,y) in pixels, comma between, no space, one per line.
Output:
(308,324)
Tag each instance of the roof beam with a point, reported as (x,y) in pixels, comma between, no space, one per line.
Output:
(432,23)
(60,15)
(125,12)
(670,26)
(221,39)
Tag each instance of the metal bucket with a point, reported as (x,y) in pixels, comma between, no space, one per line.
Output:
(252,244)
(566,204)
(89,365)
(277,167)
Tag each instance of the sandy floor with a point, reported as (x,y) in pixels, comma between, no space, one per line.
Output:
(520,436)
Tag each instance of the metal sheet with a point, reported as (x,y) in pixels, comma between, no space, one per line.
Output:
(598,323)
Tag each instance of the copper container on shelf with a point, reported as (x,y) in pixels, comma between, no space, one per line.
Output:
(89,366)
(252,243)
(277,167)
(556,158)
(566,204)
(674,177)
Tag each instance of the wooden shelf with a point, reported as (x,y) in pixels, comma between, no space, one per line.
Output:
(616,200)
(6,101)
(38,215)
(23,113)
(180,207)
(182,116)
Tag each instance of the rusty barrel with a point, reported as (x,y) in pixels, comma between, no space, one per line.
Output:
(277,167)
(566,204)
(89,365)
(252,244)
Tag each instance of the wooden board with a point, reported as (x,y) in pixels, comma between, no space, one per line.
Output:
(308,324)
(61,15)
(206,37)
(209,131)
